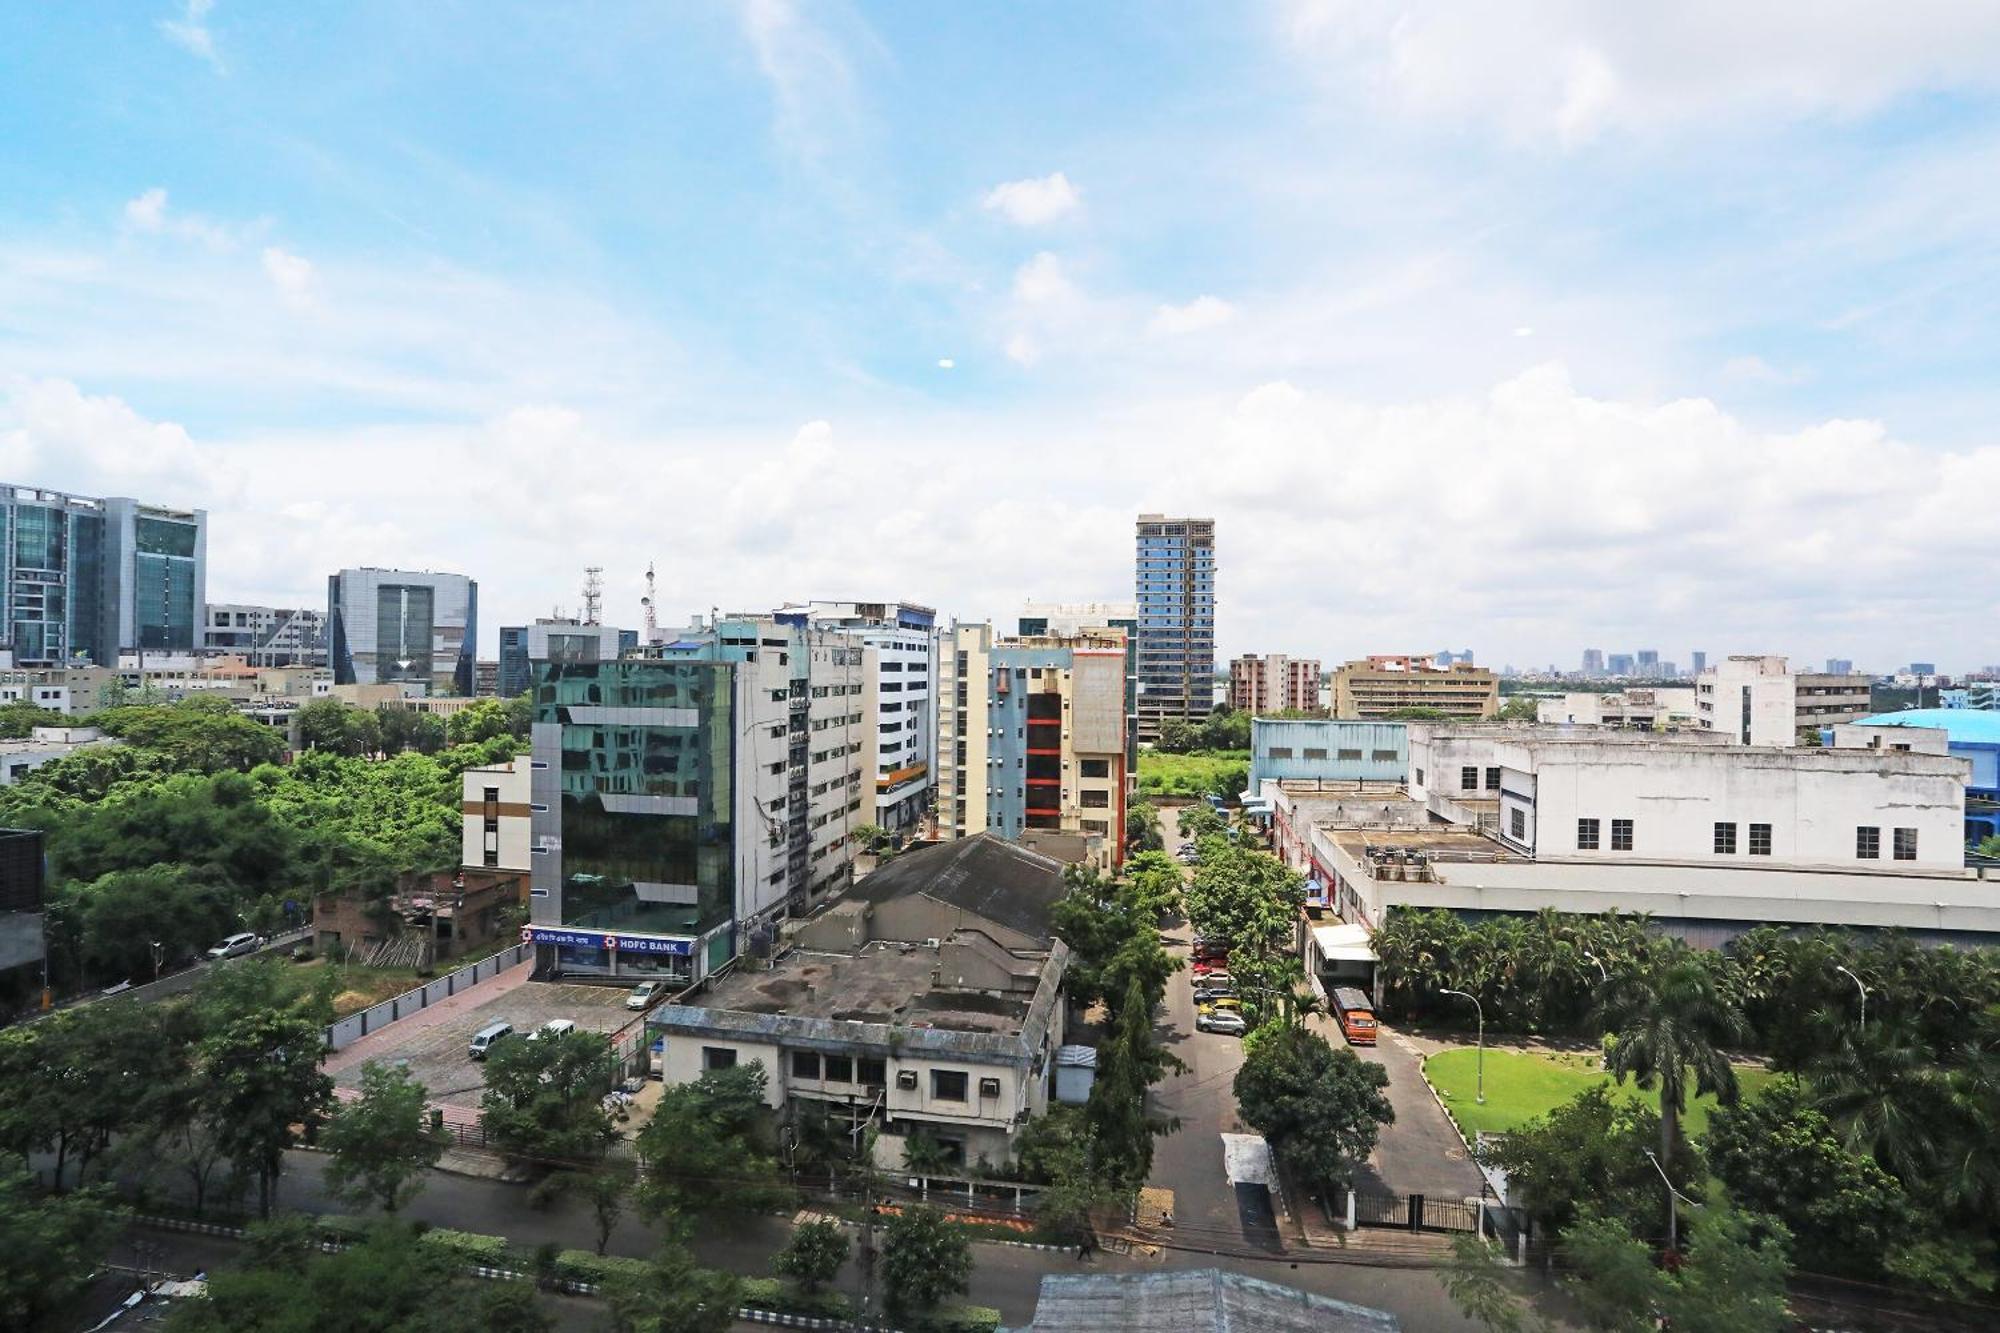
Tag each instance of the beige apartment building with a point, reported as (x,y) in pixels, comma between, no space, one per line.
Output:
(1378,686)
(1273,683)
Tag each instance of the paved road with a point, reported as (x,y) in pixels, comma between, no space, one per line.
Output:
(1421,1153)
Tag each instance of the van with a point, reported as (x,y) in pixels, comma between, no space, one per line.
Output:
(555,1027)
(482,1040)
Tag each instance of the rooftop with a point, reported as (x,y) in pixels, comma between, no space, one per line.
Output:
(1207,1300)
(1965,726)
(984,874)
(886,982)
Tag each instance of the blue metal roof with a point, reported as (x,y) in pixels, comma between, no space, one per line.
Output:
(1965,726)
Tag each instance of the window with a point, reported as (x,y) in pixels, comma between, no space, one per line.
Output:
(1096,800)
(1517,824)
(1586,835)
(873,1071)
(1312,753)
(1621,835)
(840,1069)
(1280,752)
(1380,757)
(1468,778)
(1868,843)
(1095,768)
(1760,840)
(805,1064)
(718,1057)
(1906,844)
(1420,772)
(1493,779)
(948,1085)
(1725,839)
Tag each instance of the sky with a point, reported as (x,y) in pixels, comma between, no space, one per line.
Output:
(1523,328)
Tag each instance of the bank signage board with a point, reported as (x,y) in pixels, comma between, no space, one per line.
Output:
(607,940)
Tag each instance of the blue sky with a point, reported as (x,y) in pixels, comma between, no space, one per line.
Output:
(1532,330)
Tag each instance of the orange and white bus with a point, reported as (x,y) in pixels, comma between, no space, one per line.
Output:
(1356,1015)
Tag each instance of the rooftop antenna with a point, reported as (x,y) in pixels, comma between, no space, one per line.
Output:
(652,620)
(593,592)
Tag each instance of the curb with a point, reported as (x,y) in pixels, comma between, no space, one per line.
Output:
(1451,1119)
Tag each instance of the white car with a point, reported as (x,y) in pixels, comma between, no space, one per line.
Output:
(1226,1021)
(644,994)
(555,1027)
(237,945)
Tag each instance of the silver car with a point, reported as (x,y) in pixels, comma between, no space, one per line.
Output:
(1226,1021)
(237,945)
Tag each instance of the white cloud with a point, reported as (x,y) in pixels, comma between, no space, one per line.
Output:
(1022,350)
(946,363)
(148,212)
(1754,369)
(1042,281)
(1555,70)
(812,84)
(190,32)
(1204,312)
(1036,201)
(290,274)
(1582,535)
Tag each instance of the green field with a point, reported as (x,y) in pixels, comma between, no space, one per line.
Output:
(1521,1085)
(1194,774)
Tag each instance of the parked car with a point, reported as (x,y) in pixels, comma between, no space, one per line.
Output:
(1226,1021)
(1204,994)
(555,1027)
(1206,967)
(644,994)
(487,1037)
(237,945)
(1219,1003)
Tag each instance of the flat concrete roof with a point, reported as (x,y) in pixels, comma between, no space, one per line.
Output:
(1440,838)
(885,983)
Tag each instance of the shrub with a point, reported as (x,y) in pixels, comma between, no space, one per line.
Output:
(770,1293)
(958,1319)
(469,1246)
(597,1269)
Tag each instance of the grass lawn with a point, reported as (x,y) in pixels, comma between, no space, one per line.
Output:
(1162,774)
(1521,1085)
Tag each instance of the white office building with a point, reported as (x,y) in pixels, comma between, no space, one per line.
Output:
(1760,700)
(899,702)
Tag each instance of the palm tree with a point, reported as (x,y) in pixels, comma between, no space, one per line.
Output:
(1670,1020)
(1887,1096)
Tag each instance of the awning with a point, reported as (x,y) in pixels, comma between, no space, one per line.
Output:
(1343,944)
(1315,890)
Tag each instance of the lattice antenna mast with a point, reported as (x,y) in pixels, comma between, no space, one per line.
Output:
(652,630)
(593,593)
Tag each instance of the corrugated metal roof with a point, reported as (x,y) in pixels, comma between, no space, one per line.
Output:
(1968,726)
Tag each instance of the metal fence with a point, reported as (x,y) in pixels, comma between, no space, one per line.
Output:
(351,1029)
(1416,1212)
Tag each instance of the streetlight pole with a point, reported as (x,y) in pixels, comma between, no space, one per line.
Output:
(1863,988)
(1602,975)
(158,950)
(1479,1060)
(1673,1203)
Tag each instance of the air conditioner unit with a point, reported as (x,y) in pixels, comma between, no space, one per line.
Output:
(989,1087)
(931,943)
(906,1079)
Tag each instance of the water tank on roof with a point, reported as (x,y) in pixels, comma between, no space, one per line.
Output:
(1076,1070)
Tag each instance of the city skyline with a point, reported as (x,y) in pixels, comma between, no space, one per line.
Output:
(1596,351)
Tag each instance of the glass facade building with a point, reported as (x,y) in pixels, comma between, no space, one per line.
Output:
(1175,595)
(83,579)
(633,806)
(391,625)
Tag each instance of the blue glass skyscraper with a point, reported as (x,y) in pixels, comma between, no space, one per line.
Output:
(1175,586)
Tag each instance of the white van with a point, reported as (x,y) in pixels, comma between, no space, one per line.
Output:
(482,1040)
(555,1027)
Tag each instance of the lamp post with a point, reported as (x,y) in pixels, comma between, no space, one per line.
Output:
(159,950)
(1602,975)
(1863,988)
(1673,1203)
(1479,1060)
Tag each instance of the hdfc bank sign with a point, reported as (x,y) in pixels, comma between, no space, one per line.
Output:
(590,939)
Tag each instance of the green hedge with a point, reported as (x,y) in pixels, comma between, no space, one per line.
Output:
(956,1319)
(471,1247)
(586,1266)
(770,1293)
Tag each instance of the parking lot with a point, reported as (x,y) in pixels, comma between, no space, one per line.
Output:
(435,1049)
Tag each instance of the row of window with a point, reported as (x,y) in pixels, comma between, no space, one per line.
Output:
(1468,778)
(1588,832)
(1867,839)
(1345,756)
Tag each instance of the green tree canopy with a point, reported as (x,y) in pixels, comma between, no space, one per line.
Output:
(49,1247)
(925,1261)
(382,1142)
(1671,1021)
(338,728)
(544,1099)
(701,1148)
(1589,1153)
(814,1255)
(1320,1108)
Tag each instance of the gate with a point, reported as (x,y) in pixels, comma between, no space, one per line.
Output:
(1415,1212)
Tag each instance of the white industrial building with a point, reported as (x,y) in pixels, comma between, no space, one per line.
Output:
(1707,836)
(1760,700)
(45,745)
(1639,709)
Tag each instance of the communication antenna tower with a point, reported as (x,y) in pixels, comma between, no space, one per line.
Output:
(652,630)
(593,592)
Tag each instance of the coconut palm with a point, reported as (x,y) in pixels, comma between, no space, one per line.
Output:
(1887,1097)
(1670,1022)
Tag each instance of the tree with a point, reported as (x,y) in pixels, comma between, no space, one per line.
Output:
(18,717)
(338,728)
(1116,1114)
(677,1296)
(924,1260)
(814,1255)
(544,1099)
(383,1141)
(1142,827)
(49,1247)
(1055,1150)
(197,735)
(1731,1281)
(404,729)
(1670,1022)
(262,1077)
(604,1188)
(482,720)
(1589,1153)
(1201,821)
(1177,737)
(1519,708)
(1321,1108)
(1477,1285)
(871,837)
(1779,1155)
(700,1147)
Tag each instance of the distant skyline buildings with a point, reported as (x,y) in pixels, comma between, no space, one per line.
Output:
(1174,588)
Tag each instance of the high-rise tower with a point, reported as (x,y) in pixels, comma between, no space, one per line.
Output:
(1175,591)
